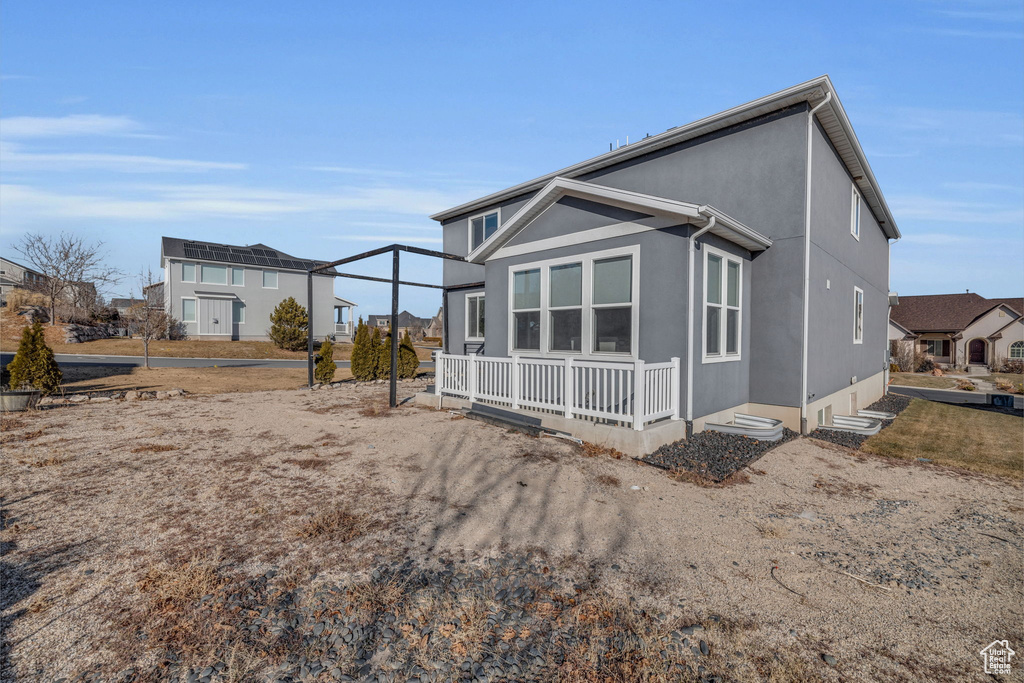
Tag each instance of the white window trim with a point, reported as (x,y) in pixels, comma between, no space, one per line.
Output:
(469,296)
(856,203)
(231,276)
(587,327)
(856,291)
(722,356)
(195,266)
(193,299)
(1009,350)
(263,280)
(469,229)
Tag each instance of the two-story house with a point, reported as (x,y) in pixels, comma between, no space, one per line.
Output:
(222,291)
(737,264)
(16,276)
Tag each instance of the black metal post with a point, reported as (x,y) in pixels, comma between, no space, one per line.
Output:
(394,330)
(309,328)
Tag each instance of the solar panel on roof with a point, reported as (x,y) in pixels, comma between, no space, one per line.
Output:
(236,258)
(263,260)
(249,258)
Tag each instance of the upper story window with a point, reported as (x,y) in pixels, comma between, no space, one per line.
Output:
(723,308)
(855,214)
(481,227)
(583,304)
(858,315)
(238,277)
(188,272)
(270,279)
(214,275)
(474,317)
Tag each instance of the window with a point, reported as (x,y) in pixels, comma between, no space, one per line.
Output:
(855,214)
(1017,350)
(188,310)
(575,305)
(238,312)
(613,311)
(936,347)
(475,317)
(526,310)
(188,272)
(481,227)
(214,275)
(858,315)
(270,279)
(238,277)
(565,307)
(722,306)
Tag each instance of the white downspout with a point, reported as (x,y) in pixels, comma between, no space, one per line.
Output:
(807,267)
(689,317)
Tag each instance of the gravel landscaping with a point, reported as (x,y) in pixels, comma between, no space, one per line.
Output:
(713,455)
(890,403)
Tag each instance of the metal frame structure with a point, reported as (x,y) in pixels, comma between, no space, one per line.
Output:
(395,250)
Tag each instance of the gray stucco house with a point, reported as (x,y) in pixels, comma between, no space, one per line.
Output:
(223,291)
(739,263)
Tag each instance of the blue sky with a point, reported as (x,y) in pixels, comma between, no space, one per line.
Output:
(325,129)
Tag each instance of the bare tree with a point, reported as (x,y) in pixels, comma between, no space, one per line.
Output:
(146,319)
(72,268)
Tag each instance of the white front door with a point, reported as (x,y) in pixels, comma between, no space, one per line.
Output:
(215,316)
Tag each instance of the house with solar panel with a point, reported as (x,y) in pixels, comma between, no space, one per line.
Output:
(223,291)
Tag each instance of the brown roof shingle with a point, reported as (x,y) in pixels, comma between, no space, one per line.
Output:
(946,312)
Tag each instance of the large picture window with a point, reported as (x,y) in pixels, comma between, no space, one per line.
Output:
(576,305)
(723,311)
(482,227)
(474,317)
(214,275)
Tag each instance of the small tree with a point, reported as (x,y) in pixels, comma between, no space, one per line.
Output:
(34,364)
(72,268)
(145,319)
(325,365)
(408,363)
(363,358)
(381,354)
(288,325)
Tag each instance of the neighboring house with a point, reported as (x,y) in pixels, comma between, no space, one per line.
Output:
(736,264)
(223,291)
(435,329)
(407,322)
(960,329)
(16,276)
(122,306)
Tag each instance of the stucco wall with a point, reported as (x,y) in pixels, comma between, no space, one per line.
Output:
(259,301)
(840,262)
(983,328)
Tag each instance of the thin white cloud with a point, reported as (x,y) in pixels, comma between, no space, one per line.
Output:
(920,207)
(352,170)
(972,186)
(14,159)
(74,125)
(184,202)
(926,128)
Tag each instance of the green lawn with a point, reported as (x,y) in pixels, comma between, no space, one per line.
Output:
(978,440)
(922,379)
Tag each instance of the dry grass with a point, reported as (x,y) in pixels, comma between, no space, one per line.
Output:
(922,379)
(770,529)
(339,523)
(376,409)
(9,423)
(154,448)
(608,480)
(192,380)
(307,463)
(837,486)
(590,450)
(976,440)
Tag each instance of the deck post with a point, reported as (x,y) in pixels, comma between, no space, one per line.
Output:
(393,397)
(472,377)
(438,375)
(567,387)
(638,395)
(515,381)
(675,388)
(309,328)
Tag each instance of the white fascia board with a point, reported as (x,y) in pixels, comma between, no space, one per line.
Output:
(812,91)
(659,207)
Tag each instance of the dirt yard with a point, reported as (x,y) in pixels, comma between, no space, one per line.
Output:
(121,521)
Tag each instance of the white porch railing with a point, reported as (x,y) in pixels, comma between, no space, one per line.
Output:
(344,329)
(633,393)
